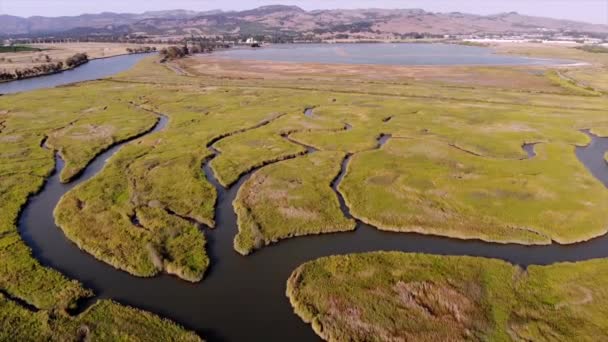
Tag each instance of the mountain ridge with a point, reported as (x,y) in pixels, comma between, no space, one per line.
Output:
(283,19)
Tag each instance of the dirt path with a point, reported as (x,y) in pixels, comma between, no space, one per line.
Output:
(177,69)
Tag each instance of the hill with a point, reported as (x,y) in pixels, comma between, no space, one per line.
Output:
(292,20)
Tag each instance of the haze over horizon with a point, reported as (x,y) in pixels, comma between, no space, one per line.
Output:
(593,11)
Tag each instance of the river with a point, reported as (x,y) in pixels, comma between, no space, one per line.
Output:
(94,69)
(243,298)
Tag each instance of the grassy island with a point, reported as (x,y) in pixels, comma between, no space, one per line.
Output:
(388,296)
(428,187)
(290,198)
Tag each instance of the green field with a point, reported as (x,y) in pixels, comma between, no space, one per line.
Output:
(17,48)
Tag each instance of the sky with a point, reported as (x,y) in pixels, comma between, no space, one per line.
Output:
(594,11)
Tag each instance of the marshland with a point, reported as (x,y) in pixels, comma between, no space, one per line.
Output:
(204,197)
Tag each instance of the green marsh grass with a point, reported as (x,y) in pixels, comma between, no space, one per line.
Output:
(290,198)
(458,144)
(429,187)
(79,126)
(386,296)
(104,321)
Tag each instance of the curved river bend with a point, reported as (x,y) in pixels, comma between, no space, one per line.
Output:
(243,298)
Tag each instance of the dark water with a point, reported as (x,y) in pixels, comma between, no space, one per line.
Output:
(390,54)
(95,69)
(591,156)
(309,112)
(529,149)
(243,298)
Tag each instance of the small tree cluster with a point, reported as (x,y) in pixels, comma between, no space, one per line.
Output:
(76,60)
(191,47)
(202,46)
(174,52)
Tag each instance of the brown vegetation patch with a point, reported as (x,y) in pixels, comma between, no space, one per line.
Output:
(256,194)
(511,77)
(10,138)
(384,179)
(439,302)
(155,257)
(91,132)
(421,306)
(580,295)
(341,312)
(511,127)
(274,194)
(502,194)
(526,330)
(94,109)
(292,212)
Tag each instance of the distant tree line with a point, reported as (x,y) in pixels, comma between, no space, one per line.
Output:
(190,47)
(17,48)
(142,49)
(173,52)
(276,37)
(44,69)
(201,46)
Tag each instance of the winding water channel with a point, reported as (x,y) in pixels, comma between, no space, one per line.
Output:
(243,298)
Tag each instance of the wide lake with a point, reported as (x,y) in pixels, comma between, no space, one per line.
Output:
(390,54)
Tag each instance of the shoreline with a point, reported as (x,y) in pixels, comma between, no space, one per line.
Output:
(71,68)
(45,74)
(550,63)
(574,64)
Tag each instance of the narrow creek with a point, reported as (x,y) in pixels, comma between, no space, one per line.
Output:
(243,298)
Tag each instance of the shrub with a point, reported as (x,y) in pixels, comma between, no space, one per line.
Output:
(76,60)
